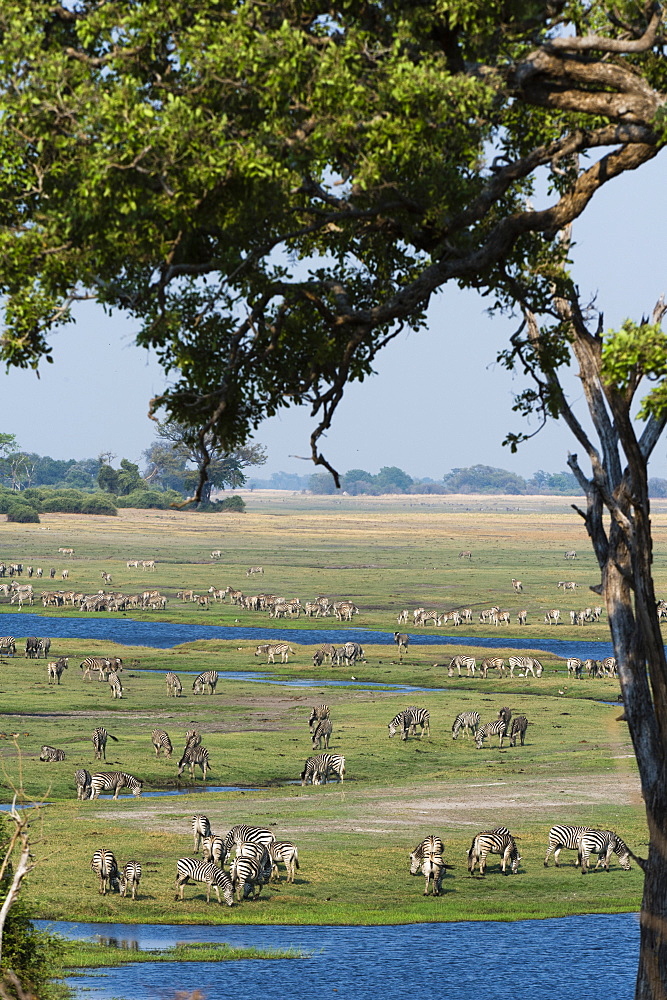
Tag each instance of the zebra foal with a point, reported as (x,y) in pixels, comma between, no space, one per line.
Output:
(130,877)
(105,867)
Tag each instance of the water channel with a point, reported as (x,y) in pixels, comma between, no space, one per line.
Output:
(573,957)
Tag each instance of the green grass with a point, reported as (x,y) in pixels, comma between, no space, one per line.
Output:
(91,955)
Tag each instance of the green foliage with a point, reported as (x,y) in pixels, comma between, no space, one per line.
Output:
(483,479)
(322,483)
(22,513)
(108,479)
(636,351)
(98,503)
(145,498)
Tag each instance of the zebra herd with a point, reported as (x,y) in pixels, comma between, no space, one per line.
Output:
(282,607)
(503,726)
(427,857)
(524,665)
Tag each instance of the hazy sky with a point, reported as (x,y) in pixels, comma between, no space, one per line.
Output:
(439,401)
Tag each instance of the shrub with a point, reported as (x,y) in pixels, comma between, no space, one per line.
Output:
(99,503)
(144,499)
(21,513)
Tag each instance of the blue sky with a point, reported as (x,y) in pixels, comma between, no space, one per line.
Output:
(439,401)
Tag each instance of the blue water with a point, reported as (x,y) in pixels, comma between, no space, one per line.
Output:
(563,959)
(163,635)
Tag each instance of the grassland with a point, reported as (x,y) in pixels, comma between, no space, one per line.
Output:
(577,765)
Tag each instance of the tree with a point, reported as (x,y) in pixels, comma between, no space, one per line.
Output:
(276,190)
(391,479)
(483,479)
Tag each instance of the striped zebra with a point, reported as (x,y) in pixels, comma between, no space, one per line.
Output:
(604,843)
(317,769)
(206,681)
(31,647)
(351,652)
(54,670)
(326,652)
(193,756)
(105,867)
(552,617)
(249,875)
(427,859)
(191,869)
(115,685)
(497,728)
(505,714)
(492,663)
(522,617)
(213,849)
(322,733)
(517,586)
(567,837)
(174,686)
(282,649)
(99,738)
(465,721)
(82,779)
(571,554)
(574,666)
(192,739)
(429,845)
(99,663)
(609,666)
(160,740)
(130,877)
(286,853)
(408,720)
(200,828)
(105,781)
(51,754)
(528,664)
(7,645)
(518,728)
(345,611)
(243,834)
(498,841)
(457,662)
(317,713)
(401,639)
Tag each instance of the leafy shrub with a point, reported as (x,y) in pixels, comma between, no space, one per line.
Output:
(234,503)
(99,503)
(21,513)
(144,499)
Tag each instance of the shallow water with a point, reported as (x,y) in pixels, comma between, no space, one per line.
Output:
(562,959)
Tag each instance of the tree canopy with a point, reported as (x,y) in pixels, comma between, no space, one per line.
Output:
(276,190)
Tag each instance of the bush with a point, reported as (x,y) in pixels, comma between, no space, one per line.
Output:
(234,503)
(99,503)
(21,513)
(144,499)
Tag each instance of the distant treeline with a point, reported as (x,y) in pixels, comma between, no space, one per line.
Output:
(475,479)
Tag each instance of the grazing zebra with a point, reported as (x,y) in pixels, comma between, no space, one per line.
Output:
(430,845)
(31,647)
(401,639)
(498,841)
(402,618)
(216,554)
(317,713)
(322,733)
(457,662)
(465,555)
(283,649)
(206,681)
(99,739)
(492,663)
(105,867)
(213,849)
(82,779)
(192,738)
(465,721)
(517,585)
(522,618)
(609,666)
(7,645)
(345,611)
(174,686)
(100,663)
(574,666)
(243,834)
(255,569)
(115,685)
(317,769)
(286,853)
(248,874)
(204,871)
(105,781)
(604,843)
(407,720)
(193,756)
(200,828)
(497,728)
(519,727)
(161,741)
(572,554)
(51,754)
(130,876)
(55,669)
(529,665)
(505,714)
(427,859)
(351,652)
(552,617)
(564,837)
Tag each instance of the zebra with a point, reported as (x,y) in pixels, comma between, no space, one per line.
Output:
(465,555)
(317,769)
(51,754)
(174,686)
(457,662)
(283,851)
(82,779)
(204,871)
(213,849)
(31,647)
(107,780)
(193,756)
(564,836)
(604,843)
(497,728)
(161,741)
(529,665)
(401,639)
(282,648)
(248,874)
(326,652)
(192,739)
(55,669)
(505,714)
(519,727)
(105,867)
(100,663)
(492,663)
(7,645)
(552,617)
(430,845)
(465,721)
(206,680)
(130,876)
(322,733)
(522,618)
(99,739)
(405,722)
(517,585)
(351,652)
(572,554)
(317,713)
(243,834)
(498,841)
(345,611)
(609,666)
(201,828)
(574,666)
(427,859)
(115,685)
(255,569)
